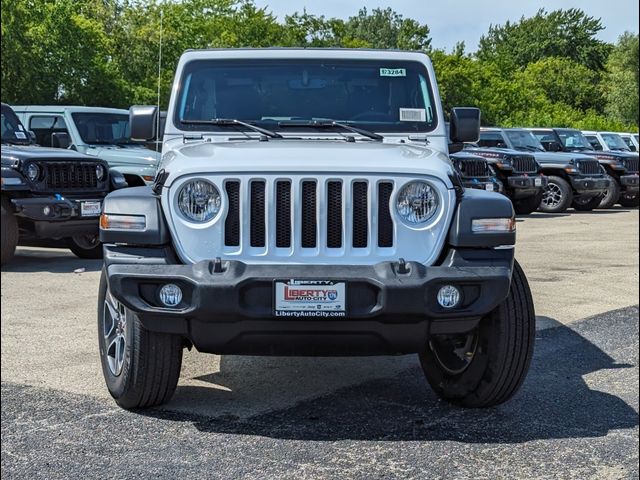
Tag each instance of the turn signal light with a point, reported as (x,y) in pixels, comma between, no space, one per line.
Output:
(493,225)
(110,221)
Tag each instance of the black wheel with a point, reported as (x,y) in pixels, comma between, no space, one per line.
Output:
(529,205)
(9,232)
(488,365)
(612,195)
(85,246)
(141,368)
(587,204)
(629,202)
(557,196)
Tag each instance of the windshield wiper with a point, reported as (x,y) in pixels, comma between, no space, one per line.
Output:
(232,122)
(331,124)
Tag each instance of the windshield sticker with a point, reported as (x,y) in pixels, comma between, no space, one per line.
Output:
(393,72)
(20,135)
(413,115)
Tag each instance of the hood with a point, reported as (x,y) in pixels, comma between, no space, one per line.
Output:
(21,153)
(506,152)
(313,156)
(559,157)
(124,156)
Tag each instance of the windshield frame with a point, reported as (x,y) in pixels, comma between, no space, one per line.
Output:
(126,140)
(13,119)
(536,142)
(398,128)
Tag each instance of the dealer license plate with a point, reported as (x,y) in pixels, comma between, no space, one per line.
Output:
(538,182)
(489,187)
(90,209)
(309,298)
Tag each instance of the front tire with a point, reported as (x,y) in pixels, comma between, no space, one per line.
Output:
(9,234)
(527,206)
(612,195)
(86,246)
(586,205)
(487,366)
(557,196)
(141,368)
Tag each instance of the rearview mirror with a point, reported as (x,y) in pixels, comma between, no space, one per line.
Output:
(60,140)
(142,122)
(464,125)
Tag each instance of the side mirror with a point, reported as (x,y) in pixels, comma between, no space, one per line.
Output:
(551,146)
(464,125)
(142,122)
(60,140)
(32,136)
(633,148)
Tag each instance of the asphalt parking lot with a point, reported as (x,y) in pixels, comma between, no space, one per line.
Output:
(257,417)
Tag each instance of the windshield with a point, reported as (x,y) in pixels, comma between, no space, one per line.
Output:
(12,129)
(385,96)
(524,140)
(614,142)
(102,128)
(574,140)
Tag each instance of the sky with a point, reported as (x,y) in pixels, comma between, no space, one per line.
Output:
(467,20)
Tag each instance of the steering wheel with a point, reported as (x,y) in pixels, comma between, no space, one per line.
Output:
(371,116)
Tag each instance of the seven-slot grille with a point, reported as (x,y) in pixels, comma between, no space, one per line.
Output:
(525,164)
(589,167)
(631,164)
(67,175)
(472,167)
(312,214)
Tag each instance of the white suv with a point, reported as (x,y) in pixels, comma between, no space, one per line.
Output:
(306,205)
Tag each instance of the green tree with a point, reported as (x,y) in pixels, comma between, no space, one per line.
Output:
(561,33)
(621,83)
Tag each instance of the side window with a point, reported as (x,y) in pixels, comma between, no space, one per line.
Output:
(45,125)
(593,140)
(491,140)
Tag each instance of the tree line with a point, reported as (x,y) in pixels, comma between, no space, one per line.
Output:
(546,70)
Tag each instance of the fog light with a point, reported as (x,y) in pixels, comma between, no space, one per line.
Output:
(170,295)
(46,211)
(448,296)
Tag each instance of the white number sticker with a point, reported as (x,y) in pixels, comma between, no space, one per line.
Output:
(393,72)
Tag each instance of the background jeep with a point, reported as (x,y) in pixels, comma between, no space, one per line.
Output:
(574,179)
(311,210)
(476,172)
(621,167)
(50,193)
(519,174)
(99,132)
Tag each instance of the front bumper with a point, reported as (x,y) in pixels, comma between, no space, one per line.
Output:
(526,182)
(58,209)
(232,311)
(488,184)
(589,185)
(630,183)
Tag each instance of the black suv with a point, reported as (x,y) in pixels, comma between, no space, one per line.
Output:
(574,179)
(519,174)
(50,193)
(621,167)
(476,172)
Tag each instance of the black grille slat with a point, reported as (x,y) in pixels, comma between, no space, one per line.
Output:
(360,215)
(589,167)
(523,164)
(232,222)
(334,214)
(283,214)
(257,231)
(62,176)
(631,164)
(471,168)
(385,222)
(309,226)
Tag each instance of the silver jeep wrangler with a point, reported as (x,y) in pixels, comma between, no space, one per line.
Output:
(306,205)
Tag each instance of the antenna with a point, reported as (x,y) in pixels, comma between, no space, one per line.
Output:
(159,77)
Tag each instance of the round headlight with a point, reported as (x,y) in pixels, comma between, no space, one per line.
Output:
(199,200)
(33,172)
(100,172)
(417,202)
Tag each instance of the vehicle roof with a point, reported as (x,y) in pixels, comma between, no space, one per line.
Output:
(592,132)
(283,53)
(67,108)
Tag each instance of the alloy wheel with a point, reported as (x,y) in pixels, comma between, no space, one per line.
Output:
(552,196)
(114,331)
